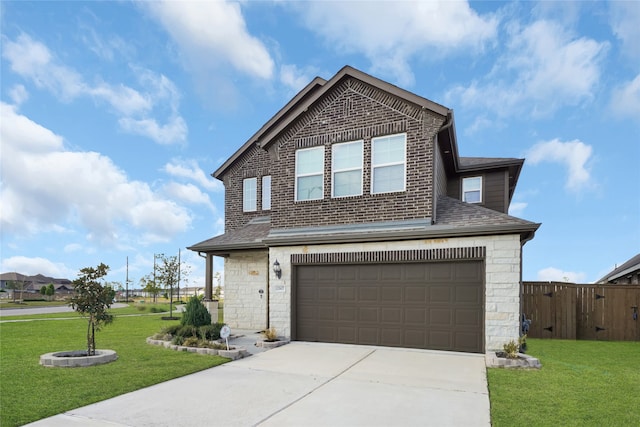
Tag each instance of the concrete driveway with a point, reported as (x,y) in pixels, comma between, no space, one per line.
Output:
(310,384)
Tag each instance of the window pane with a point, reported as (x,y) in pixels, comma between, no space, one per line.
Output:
(472,196)
(347,183)
(389,149)
(388,178)
(347,156)
(249,194)
(266,193)
(309,188)
(310,161)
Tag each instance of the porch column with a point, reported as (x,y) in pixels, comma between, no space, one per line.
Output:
(208,278)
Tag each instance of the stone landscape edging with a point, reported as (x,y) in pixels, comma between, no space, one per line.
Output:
(56,360)
(523,361)
(234,354)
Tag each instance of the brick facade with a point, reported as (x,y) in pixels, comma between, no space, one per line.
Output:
(352,111)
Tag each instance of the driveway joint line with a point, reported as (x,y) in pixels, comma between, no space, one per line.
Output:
(339,374)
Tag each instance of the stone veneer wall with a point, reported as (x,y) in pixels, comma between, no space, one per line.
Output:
(245,273)
(502,281)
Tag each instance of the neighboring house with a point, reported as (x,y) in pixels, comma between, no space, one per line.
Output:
(351,218)
(32,284)
(627,274)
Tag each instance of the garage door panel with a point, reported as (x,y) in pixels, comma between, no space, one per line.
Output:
(440,317)
(440,294)
(415,316)
(391,315)
(471,317)
(415,294)
(326,313)
(432,305)
(468,294)
(347,293)
(368,336)
(390,294)
(369,314)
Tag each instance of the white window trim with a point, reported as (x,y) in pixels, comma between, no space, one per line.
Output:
(466,178)
(295,189)
(266,196)
(254,206)
(334,170)
(404,163)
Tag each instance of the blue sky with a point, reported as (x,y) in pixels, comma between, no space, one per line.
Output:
(114,115)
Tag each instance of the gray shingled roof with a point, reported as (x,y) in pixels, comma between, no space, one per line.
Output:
(467,162)
(632,265)
(250,236)
(455,213)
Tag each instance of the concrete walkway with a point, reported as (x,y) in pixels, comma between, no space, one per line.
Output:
(310,384)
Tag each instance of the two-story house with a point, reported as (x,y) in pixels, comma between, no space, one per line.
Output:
(351,218)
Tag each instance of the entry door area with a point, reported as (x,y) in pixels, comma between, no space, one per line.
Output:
(435,305)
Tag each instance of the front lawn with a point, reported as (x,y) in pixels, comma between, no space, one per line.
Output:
(581,383)
(29,392)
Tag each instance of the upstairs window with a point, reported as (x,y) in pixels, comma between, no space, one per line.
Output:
(388,160)
(249,194)
(309,174)
(266,193)
(346,167)
(472,189)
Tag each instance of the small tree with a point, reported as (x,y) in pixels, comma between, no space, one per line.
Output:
(43,290)
(51,290)
(150,287)
(167,277)
(92,300)
(195,313)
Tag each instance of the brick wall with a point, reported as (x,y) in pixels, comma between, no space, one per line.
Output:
(352,111)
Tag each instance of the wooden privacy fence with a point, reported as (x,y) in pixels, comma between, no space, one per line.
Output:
(584,312)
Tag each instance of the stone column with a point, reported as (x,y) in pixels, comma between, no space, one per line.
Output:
(208,278)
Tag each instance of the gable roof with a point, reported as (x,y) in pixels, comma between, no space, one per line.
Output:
(311,94)
(454,164)
(628,267)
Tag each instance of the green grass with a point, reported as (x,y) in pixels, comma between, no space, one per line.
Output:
(29,392)
(30,304)
(131,309)
(581,383)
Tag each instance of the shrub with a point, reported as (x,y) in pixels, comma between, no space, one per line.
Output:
(141,307)
(187,331)
(511,349)
(210,332)
(155,309)
(270,334)
(191,342)
(171,330)
(195,313)
(177,340)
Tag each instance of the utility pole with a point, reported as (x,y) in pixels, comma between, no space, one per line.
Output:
(126,294)
(179,268)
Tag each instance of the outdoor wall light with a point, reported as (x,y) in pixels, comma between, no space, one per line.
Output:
(277,269)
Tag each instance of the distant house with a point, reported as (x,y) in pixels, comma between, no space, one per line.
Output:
(351,218)
(30,285)
(627,274)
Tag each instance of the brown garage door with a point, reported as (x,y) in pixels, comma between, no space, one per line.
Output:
(436,305)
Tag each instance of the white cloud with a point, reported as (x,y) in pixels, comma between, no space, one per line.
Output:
(574,155)
(190,170)
(624,19)
(18,94)
(296,78)
(517,208)
(543,68)
(210,33)
(390,34)
(552,274)
(188,193)
(72,247)
(625,99)
(36,265)
(33,60)
(42,190)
